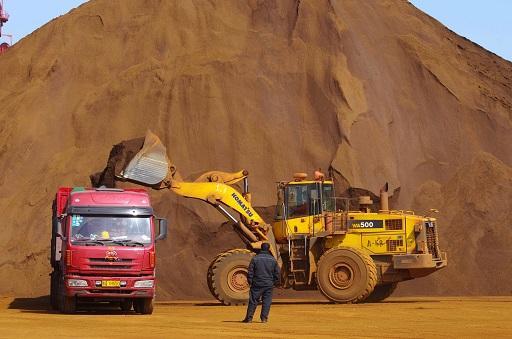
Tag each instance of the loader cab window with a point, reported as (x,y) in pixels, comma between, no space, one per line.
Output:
(279,215)
(328,204)
(297,201)
(303,200)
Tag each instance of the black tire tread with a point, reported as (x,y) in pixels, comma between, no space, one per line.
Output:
(370,265)
(211,275)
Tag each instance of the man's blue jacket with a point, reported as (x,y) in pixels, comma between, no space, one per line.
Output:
(263,270)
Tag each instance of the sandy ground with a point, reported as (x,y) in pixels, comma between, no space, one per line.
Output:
(397,318)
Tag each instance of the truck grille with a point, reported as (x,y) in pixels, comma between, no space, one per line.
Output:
(109,267)
(103,263)
(392,244)
(432,239)
(394,224)
(106,260)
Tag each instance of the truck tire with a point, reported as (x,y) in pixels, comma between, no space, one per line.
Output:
(67,304)
(346,275)
(54,291)
(227,277)
(126,305)
(381,292)
(143,306)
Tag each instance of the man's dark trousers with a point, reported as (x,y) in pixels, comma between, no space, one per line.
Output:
(255,295)
(262,275)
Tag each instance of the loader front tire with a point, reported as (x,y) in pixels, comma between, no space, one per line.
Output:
(381,292)
(346,275)
(227,277)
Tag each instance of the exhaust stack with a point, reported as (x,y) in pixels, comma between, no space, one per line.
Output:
(384,199)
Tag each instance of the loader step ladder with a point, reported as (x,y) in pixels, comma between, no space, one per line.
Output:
(299,259)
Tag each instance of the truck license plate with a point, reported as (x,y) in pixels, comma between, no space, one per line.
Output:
(110,283)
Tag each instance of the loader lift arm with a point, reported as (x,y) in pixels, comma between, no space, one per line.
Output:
(151,167)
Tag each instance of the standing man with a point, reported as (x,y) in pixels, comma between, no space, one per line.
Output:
(262,276)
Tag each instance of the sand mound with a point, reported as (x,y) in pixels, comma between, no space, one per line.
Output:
(476,229)
(377,91)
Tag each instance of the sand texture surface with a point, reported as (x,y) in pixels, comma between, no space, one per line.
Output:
(397,318)
(375,91)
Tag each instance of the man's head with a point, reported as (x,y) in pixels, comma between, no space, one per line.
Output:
(265,247)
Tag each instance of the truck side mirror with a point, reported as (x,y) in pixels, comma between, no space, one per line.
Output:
(162,232)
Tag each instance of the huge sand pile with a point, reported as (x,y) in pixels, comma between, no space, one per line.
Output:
(377,90)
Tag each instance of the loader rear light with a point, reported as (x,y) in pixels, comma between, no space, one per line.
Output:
(69,257)
(151,259)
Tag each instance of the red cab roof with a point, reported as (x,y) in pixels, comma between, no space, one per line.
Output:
(135,197)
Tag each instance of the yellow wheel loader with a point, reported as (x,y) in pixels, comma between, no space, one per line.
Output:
(320,243)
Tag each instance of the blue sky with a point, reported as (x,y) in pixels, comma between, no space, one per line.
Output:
(486,22)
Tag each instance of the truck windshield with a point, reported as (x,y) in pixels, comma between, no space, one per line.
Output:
(118,229)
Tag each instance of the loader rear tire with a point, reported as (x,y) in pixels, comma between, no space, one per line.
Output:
(346,275)
(381,292)
(227,277)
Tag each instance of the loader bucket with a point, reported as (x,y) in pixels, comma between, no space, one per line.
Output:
(150,165)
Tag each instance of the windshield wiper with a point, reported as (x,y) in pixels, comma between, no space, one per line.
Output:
(128,242)
(89,242)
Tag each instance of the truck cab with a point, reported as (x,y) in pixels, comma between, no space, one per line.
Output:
(103,248)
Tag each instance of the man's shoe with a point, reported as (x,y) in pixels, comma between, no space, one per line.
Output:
(264,320)
(247,320)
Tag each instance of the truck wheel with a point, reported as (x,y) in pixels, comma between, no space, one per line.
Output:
(381,292)
(68,305)
(54,291)
(143,306)
(126,305)
(346,275)
(227,277)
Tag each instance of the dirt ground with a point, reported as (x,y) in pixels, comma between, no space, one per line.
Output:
(396,318)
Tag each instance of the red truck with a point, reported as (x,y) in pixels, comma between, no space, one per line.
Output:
(103,248)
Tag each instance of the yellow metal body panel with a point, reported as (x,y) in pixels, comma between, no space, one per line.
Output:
(207,191)
(367,231)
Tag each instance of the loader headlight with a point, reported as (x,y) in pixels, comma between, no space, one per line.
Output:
(77,283)
(144,283)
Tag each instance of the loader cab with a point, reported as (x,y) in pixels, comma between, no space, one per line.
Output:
(300,205)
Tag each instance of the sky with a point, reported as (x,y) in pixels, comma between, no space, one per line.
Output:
(486,22)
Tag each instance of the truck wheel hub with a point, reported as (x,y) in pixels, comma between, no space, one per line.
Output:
(341,276)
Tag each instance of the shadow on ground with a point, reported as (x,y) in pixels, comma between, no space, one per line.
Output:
(42,305)
(31,304)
